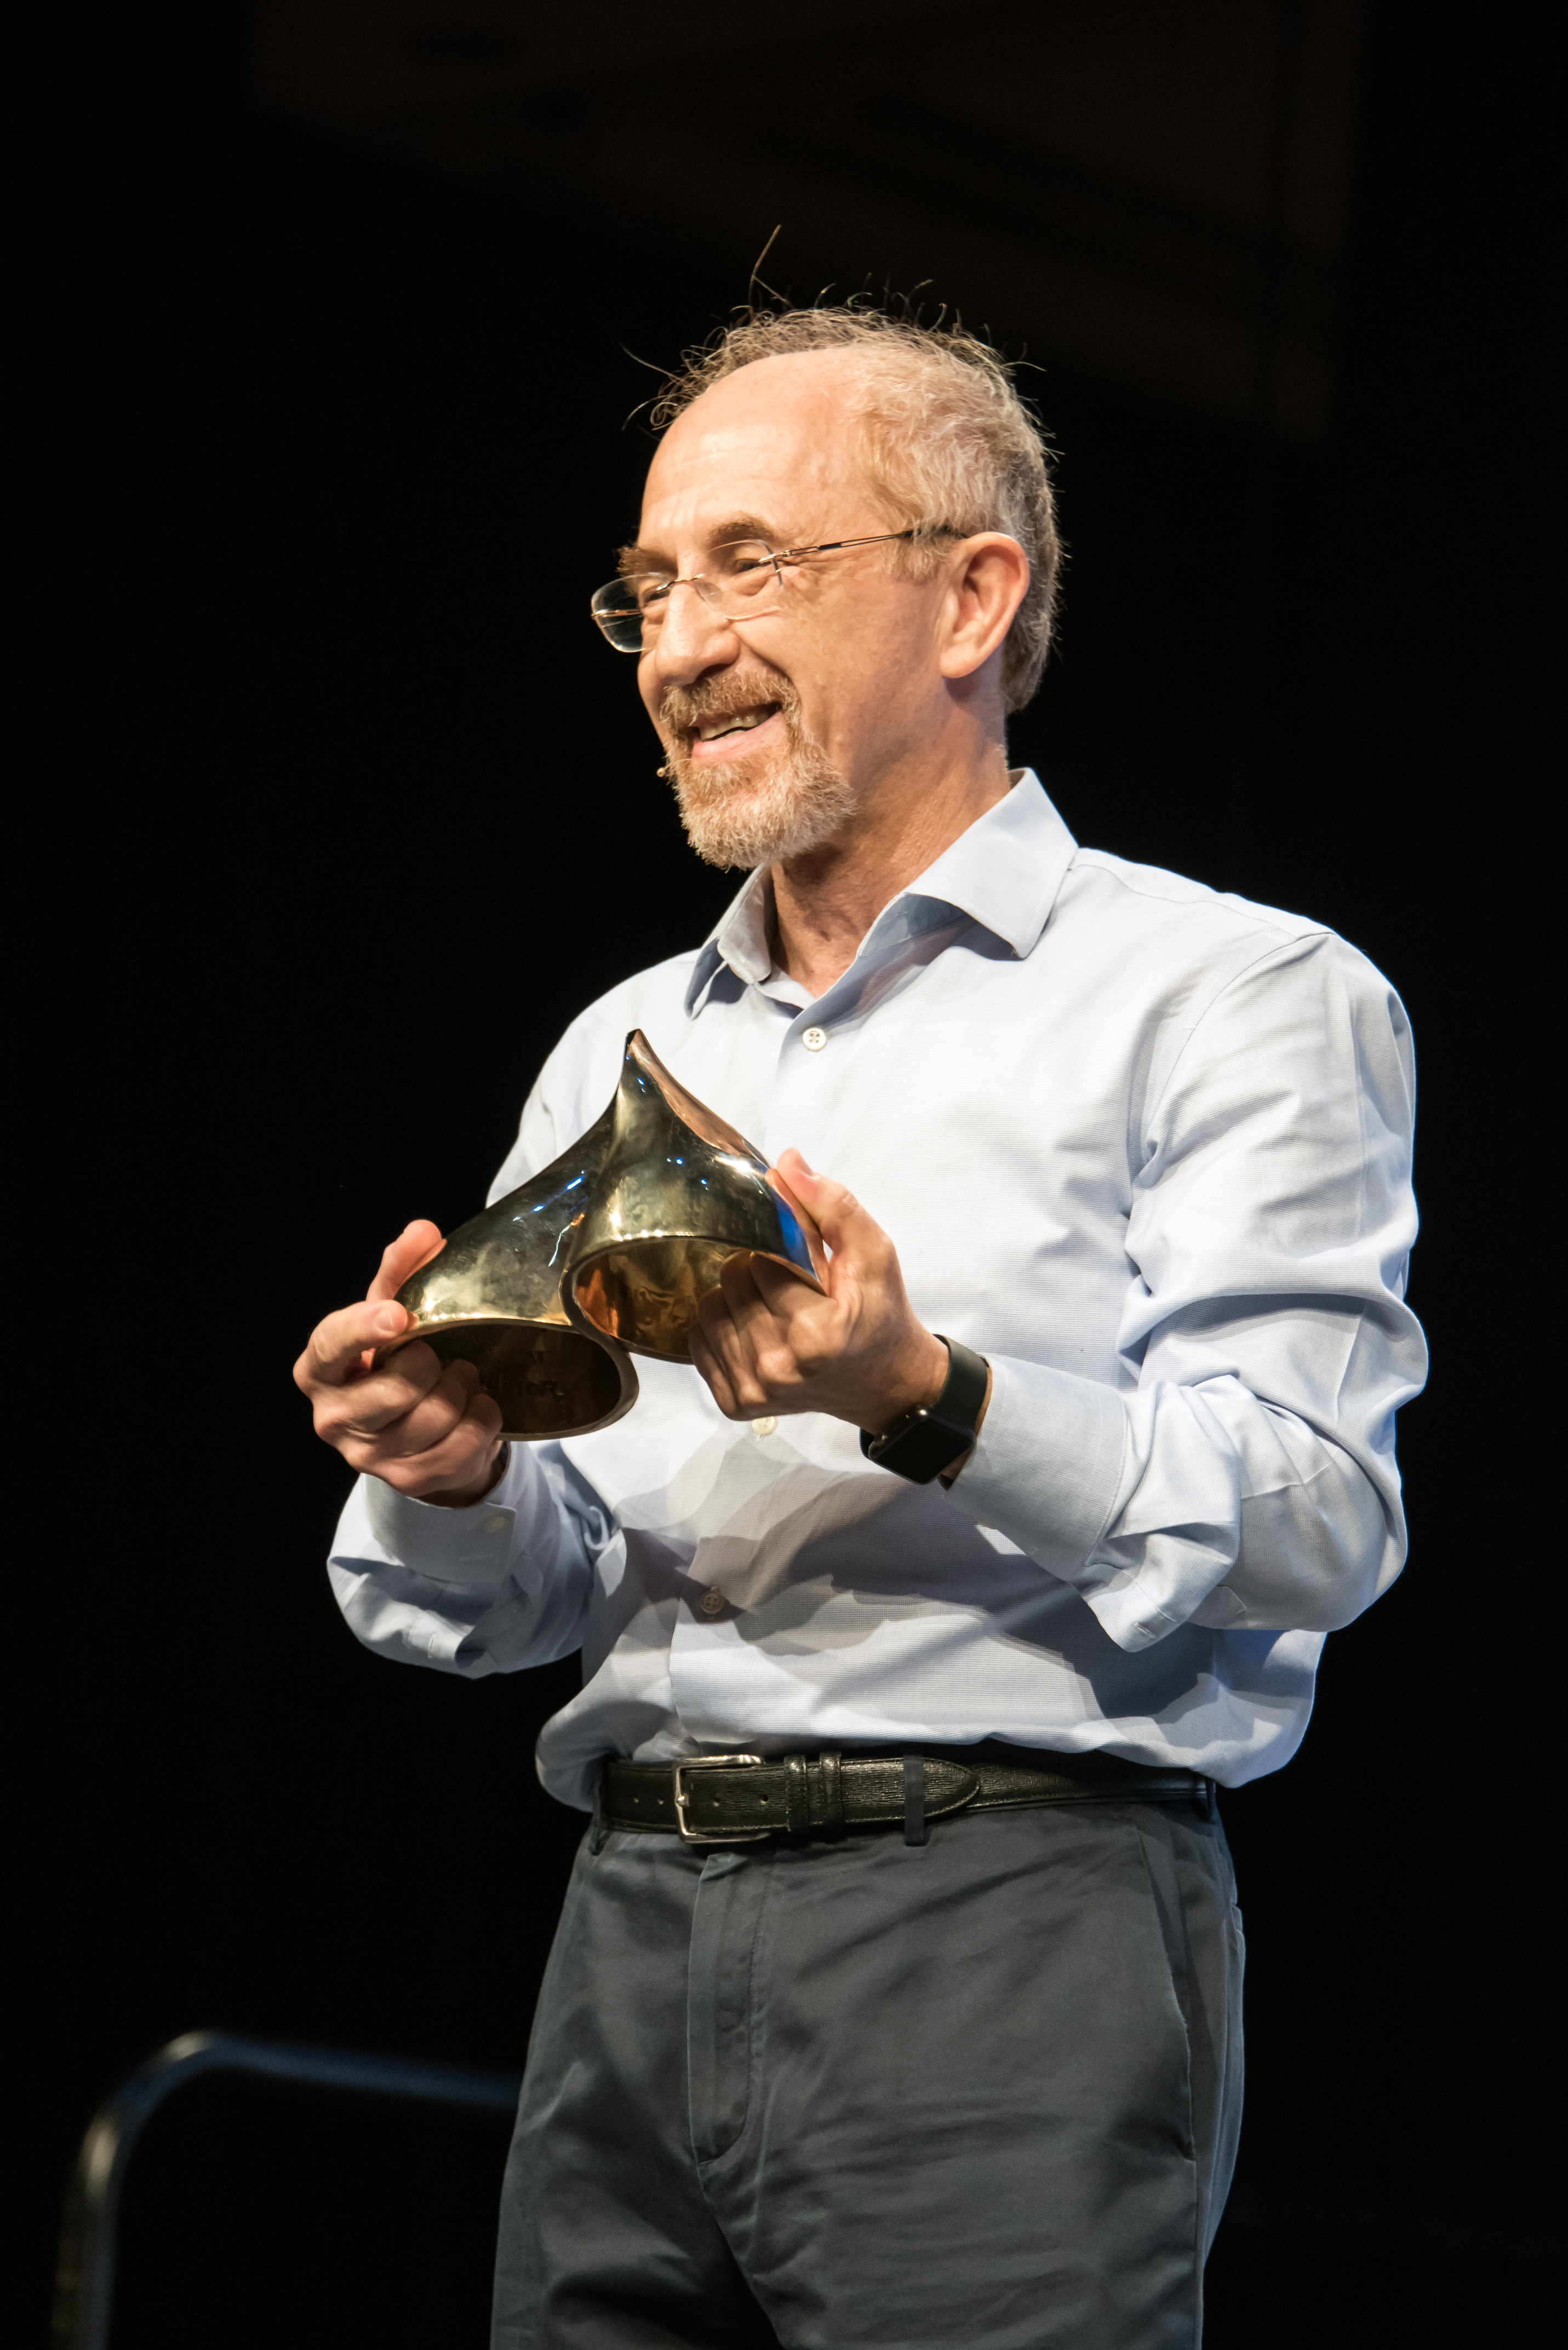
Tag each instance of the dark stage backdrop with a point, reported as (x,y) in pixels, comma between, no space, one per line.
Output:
(337,810)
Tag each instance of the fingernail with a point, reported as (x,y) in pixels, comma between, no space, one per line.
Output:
(390,1319)
(805,1162)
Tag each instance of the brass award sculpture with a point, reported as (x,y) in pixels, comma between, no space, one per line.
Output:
(603,1255)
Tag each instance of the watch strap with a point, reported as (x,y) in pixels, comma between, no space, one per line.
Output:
(924,1443)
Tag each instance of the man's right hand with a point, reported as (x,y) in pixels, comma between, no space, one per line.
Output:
(420,1425)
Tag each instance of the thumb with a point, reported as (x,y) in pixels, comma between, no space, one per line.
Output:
(415,1245)
(835,1212)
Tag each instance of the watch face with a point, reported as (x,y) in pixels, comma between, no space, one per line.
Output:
(925,1442)
(921,1447)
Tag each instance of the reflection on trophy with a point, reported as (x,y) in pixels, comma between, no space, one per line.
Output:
(492,1297)
(604,1254)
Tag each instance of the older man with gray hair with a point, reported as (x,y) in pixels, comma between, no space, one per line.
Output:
(1001,1556)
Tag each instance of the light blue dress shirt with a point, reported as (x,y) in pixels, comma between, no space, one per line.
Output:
(1148,1148)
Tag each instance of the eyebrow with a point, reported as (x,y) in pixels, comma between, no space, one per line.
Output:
(743,526)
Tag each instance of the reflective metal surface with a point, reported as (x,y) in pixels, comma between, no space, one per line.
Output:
(608,1249)
(492,1297)
(679,1193)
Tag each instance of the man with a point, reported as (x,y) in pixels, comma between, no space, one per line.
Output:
(948,2051)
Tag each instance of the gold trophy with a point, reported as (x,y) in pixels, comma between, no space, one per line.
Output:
(603,1255)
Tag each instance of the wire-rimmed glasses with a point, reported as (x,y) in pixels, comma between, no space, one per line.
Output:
(737,584)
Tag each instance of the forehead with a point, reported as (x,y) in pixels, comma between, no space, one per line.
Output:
(772,439)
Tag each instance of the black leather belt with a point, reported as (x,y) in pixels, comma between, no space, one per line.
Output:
(738,1798)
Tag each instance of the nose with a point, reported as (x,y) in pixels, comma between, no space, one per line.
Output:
(692,638)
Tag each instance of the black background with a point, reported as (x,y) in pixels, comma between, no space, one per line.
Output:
(335,810)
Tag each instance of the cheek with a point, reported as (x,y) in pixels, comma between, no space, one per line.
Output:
(867,684)
(887,637)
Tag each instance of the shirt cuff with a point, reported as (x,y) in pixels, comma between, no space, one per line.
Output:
(1046,1468)
(472,1545)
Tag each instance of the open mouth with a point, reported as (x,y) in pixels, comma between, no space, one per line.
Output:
(732,722)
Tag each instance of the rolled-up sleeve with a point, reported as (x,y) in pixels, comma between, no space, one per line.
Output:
(494,1587)
(1242,1475)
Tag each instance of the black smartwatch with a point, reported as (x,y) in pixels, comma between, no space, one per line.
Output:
(923,1443)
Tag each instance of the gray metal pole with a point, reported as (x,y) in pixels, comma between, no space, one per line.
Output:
(84,2289)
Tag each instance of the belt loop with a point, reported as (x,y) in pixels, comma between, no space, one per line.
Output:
(797,1794)
(914,1799)
(830,1762)
(598,1832)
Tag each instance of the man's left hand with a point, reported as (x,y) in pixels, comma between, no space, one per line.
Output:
(770,1344)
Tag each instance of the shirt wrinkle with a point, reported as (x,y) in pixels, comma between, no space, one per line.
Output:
(1145,1146)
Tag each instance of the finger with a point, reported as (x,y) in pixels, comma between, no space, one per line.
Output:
(795,1329)
(335,1349)
(415,1245)
(733,1318)
(751,1357)
(737,1283)
(861,1258)
(431,1419)
(469,1448)
(389,1398)
(725,1339)
(718,1379)
(836,1212)
(716,1326)
(452,1414)
(782,1289)
(429,1422)
(758,1345)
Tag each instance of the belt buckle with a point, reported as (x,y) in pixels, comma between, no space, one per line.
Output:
(683,1799)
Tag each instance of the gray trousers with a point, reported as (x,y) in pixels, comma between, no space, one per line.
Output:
(984,2090)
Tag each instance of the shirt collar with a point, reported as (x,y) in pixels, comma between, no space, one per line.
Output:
(1003,873)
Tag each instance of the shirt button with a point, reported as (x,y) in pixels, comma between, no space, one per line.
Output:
(497,1523)
(813,1039)
(765,1428)
(712,1603)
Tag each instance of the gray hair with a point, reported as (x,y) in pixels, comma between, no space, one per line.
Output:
(948,443)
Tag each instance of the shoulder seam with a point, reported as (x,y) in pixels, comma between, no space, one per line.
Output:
(1234,979)
(1247,910)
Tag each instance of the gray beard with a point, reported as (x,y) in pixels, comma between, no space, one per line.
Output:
(734,818)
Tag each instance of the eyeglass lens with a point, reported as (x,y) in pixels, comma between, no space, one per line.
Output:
(734,577)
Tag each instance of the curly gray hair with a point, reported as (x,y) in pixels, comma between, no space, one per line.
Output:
(948,443)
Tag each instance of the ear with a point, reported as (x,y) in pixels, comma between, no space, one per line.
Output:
(988,580)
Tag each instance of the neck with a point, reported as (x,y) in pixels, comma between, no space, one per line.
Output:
(825,902)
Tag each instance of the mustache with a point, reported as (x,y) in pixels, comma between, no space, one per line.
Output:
(685,706)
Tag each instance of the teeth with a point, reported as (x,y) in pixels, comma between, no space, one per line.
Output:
(742,723)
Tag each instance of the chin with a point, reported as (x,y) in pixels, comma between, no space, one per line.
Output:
(736,817)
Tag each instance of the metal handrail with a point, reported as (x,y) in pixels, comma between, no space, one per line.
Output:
(84,2287)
